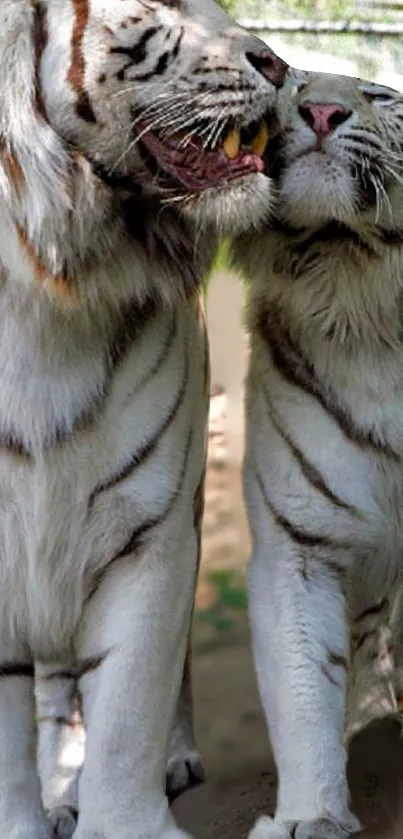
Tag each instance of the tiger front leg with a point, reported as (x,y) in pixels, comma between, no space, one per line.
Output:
(300,644)
(131,651)
(60,744)
(21,812)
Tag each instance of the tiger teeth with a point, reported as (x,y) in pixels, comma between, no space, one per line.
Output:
(232,144)
(259,143)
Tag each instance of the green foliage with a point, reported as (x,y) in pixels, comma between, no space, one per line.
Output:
(230,598)
(330,9)
(311,9)
(228,5)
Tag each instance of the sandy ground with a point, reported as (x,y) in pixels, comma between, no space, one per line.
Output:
(230,729)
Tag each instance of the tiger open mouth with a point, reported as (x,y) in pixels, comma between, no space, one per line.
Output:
(196,166)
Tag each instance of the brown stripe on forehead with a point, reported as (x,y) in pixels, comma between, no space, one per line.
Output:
(41,36)
(76,72)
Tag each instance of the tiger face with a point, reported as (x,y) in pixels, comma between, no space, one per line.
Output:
(168,97)
(340,156)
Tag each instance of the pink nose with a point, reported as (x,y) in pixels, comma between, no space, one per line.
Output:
(323,117)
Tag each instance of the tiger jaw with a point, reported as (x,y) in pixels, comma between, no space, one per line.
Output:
(194,165)
(318,186)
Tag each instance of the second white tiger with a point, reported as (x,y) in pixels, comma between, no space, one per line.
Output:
(324,462)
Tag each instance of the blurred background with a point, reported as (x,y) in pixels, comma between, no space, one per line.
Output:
(360,38)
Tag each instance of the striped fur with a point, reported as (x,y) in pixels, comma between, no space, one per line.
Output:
(104,395)
(323,471)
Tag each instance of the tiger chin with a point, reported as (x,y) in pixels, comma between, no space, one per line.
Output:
(129,132)
(323,472)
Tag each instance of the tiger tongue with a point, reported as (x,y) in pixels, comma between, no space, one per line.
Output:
(214,166)
(208,165)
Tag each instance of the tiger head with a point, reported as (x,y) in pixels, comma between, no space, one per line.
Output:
(340,155)
(140,121)
(167,96)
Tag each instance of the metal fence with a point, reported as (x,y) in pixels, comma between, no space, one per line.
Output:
(367,17)
(325,27)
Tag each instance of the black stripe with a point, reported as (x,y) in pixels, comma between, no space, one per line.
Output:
(376,609)
(152,371)
(58,435)
(59,721)
(337,659)
(294,367)
(338,570)
(148,448)
(359,640)
(138,536)
(163,62)
(310,472)
(131,325)
(15,446)
(333,233)
(206,369)
(329,675)
(17,668)
(67,675)
(177,45)
(89,665)
(333,660)
(198,511)
(198,500)
(301,537)
(166,238)
(393,237)
(137,53)
(158,70)
(82,668)
(113,179)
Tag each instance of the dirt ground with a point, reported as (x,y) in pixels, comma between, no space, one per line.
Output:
(230,729)
(229,723)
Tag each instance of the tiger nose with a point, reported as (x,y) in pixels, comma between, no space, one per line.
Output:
(323,117)
(266,62)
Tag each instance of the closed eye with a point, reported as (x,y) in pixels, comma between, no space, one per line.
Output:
(374,96)
(382,97)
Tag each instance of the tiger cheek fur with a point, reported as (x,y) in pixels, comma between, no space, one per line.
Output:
(107,227)
(323,473)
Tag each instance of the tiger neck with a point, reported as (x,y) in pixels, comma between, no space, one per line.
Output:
(334,293)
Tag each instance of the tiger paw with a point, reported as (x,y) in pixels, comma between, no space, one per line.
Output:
(322,828)
(184,771)
(63,821)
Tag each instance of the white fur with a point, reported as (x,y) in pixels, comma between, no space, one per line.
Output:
(70,266)
(340,306)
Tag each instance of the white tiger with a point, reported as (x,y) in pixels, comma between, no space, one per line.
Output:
(114,119)
(323,468)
